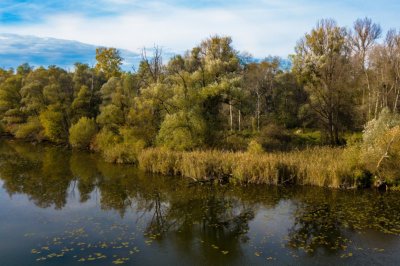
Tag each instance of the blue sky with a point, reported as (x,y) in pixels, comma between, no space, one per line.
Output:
(260,27)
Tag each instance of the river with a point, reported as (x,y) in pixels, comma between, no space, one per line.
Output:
(63,207)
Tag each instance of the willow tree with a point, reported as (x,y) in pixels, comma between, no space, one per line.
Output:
(109,62)
(10,98)
(218,69)
(322,64)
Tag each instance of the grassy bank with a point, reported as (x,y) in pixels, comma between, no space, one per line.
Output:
(324,167)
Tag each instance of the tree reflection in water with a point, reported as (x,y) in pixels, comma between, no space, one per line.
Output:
(185,216)
(316,225)
(168,206)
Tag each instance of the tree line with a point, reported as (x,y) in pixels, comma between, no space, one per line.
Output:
(211,97)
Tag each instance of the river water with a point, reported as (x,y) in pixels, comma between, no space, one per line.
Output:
(62,207)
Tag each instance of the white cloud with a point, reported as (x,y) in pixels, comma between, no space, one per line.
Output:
(262,28)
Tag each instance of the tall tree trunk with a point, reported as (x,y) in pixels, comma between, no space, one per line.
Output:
(231,115)
(368,88)
(376,104)
(331,129)
(239,118)
(396,101)
(258,111)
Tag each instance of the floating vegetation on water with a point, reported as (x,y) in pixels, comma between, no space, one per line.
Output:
(76,242)
(120,261)
(318,224)
(347,255)
(34,251)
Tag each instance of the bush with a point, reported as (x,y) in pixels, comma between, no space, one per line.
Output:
(363,178)
(381,147)
(234,141)
(125,152)
(274,137)
(123,147)
(254,147)
(302,138)
(31,130)
(104,139)
(354,138)
(53,123)
(82,133)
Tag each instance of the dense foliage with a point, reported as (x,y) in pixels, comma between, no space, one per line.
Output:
(214,97)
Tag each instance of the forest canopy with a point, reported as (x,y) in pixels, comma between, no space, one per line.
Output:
(212,96)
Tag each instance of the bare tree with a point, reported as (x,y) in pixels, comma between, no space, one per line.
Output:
(153,65)
(365,35)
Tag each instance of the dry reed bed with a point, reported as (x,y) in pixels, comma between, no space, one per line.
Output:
(325,167)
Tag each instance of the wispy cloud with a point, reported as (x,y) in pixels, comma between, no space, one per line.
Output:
(261,27)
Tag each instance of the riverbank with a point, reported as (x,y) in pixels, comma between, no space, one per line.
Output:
(318,166)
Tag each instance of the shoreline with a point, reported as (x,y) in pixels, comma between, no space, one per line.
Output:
(325,167)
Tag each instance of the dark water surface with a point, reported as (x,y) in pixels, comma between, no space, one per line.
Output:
(59,207)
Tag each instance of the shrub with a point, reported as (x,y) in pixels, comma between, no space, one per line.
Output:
(53,124)
(254,147)
(82,133)
(306,138)
(381,147)
(363,178)
(125,152)
(104,139)
(123,147)
(274,137)
(31,130)
(354,138)
(236,141)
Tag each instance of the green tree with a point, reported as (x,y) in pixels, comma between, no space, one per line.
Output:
(115,104)
(205,85)
(87,84)
(322,63)
(109,62)
(110,117)
(10,99)
(24,69)
(33,101)
(182,131)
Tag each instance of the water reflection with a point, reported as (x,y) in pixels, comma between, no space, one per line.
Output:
(210,223)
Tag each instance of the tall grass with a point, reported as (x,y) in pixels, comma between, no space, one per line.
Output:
(323,166)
